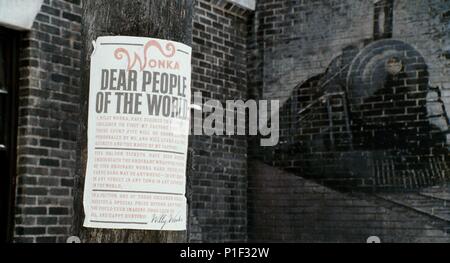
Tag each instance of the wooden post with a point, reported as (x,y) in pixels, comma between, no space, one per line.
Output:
(143,18)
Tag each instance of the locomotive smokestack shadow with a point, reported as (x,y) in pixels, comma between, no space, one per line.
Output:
(371,122)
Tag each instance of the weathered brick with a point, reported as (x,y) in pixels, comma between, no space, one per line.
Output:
(58,211)
(47,220)
(49,162)
(216,199)
(42,139)
(72,17)
(30,230)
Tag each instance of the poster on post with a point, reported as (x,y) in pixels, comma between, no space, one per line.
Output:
(138,127)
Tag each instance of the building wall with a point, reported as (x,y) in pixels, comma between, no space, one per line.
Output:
(237,54)
(48,123)
(301,38)
(218,182)
(302,50)
(287,208)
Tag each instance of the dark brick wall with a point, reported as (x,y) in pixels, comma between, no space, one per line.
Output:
(355,106)
(281,51)
(368,132)
(218,206)
(48,123)
(48,126)
(287,208)
(347,123)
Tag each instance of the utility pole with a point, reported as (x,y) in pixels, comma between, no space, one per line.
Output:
(163,19)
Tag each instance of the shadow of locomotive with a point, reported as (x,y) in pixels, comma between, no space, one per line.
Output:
(371,122)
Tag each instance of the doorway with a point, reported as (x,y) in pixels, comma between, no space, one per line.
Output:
(8,128)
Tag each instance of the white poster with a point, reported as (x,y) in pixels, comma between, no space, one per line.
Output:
(138,128)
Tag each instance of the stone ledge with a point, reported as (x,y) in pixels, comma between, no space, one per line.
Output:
(247,4)
(19,15)
(234,6)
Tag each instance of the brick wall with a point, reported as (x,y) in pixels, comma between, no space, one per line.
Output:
(287,208)
(218,206)
(325,63)
(48,123)
(385,135)
(48,126)
(283,50)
